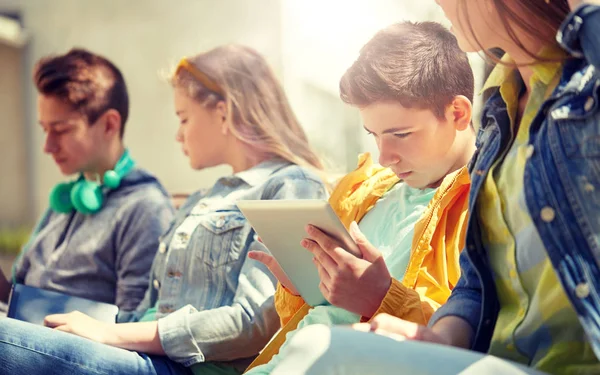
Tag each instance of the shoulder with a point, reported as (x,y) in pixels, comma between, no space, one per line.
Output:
(294,172)
(293,182)
(141,191)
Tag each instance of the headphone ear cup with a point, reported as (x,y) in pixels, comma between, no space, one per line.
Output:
(111,179)
(60,198)
(87,197)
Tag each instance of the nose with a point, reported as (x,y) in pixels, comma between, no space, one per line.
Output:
(50,144)
(388,156)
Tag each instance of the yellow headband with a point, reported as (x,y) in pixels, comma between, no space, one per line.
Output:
(200,76)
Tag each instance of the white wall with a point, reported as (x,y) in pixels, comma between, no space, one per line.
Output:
(144,37)
(14,189)
(310,43)
(321,39)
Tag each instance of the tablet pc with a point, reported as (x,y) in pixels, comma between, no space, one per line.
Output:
(281,226)
(31,304)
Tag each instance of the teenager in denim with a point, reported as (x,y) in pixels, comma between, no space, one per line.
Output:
(103,255)
(208,308)
(529,291)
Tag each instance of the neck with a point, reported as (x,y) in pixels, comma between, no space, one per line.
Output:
(465,149)
(107,162)
(522,59)
(242,158)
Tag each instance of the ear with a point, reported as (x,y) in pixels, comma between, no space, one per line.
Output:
(459,112)
(112,123)
(221,113)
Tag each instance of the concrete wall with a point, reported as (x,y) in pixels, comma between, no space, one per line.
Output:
(14,176)
(310,43)
(330,34)
(143,37)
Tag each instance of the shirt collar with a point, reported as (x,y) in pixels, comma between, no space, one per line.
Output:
(544,71)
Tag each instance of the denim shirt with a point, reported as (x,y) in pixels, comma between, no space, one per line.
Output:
(562,188)
(213,303)
(105,256)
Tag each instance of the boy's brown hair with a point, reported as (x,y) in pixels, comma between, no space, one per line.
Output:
(419,65)
(89,83)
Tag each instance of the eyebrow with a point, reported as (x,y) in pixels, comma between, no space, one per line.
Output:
(389,131)
(179,112)
(55,123)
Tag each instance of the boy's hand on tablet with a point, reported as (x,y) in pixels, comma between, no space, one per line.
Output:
(273,266)
(357,285)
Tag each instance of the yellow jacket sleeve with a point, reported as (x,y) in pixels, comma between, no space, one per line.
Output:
(286,304)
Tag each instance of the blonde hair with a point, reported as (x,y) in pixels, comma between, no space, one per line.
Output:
(260,113)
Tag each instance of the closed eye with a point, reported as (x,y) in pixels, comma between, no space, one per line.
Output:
(401,135)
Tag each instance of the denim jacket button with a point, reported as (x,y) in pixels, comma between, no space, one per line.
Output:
(589,103)
(156,284)
(162,248)
(529,151)
(582,290)
(220,223)
(547,214)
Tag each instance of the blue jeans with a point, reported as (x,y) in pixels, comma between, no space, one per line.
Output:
(31,349)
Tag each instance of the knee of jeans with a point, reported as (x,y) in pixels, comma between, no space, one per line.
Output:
(11,327)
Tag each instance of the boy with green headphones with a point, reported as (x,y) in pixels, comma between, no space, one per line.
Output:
(99,236)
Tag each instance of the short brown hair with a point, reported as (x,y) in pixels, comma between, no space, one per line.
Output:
(418,65)
(89,83)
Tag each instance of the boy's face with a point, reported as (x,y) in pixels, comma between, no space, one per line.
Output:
(412,142)
(74,145)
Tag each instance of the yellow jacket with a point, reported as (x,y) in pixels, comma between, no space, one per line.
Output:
(433,268)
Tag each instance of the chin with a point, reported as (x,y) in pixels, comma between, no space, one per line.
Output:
(68,170)
(467,46)
(198,165)
(415,185)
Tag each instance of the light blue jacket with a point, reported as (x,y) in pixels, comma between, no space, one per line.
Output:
(213,303)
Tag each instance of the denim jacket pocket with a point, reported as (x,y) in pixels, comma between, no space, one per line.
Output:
(224,240)
(581,137)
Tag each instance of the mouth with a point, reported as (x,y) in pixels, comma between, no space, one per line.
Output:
(403,175)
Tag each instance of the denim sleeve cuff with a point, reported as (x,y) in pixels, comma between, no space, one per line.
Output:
(568,32)
(464,308)
(176,337)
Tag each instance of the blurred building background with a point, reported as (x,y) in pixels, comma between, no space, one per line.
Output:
(309,43)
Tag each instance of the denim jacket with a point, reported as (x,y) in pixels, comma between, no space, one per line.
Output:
(213,303)
(561,182)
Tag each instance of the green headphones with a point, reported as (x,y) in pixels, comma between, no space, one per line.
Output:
(86,196)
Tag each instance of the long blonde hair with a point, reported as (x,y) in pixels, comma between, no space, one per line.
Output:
(260,113)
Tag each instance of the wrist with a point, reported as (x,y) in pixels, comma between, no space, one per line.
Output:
(378,297)
(109,335)
(454,331)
